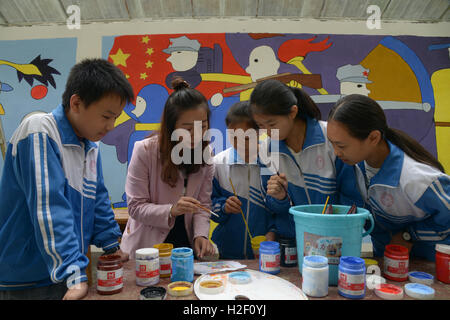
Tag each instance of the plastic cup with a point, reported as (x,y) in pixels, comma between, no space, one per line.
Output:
(255,245)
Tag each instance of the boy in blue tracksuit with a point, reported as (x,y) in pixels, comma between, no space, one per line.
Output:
(392,175)
(236,163)
(53,200)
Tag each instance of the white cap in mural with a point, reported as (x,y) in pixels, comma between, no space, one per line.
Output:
(182,44)
(353,73)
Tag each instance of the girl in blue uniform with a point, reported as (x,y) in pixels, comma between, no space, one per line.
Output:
(392,175)
(304,164)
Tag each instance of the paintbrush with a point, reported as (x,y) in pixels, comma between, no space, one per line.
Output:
(207,210)
(282,185)
(352,209)
(325,206)
(242,213)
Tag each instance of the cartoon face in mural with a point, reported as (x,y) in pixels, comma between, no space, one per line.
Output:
(262,62)
(183,53)
(353,79)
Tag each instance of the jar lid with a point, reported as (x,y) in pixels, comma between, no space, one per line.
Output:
(153,293)
(370,262)
(389,292)
(443,248)
(180,288)
(239,277)
(147,253)
(182,252)
(396,249)
(315,261)
(419,291)
(110,259)
(420,277)
(164,247)
(269,245)
(211,286)
(352,262)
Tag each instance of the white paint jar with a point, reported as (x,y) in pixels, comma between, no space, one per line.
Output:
(147,267)
(315,276)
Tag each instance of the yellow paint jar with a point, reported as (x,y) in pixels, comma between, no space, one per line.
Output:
(165,261)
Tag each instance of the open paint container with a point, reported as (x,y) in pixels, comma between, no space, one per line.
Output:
(211,286)
(180,288)
(153,293)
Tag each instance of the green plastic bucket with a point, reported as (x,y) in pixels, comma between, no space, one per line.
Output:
(330,235)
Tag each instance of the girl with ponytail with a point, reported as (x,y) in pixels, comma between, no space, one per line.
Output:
(304,168)
(401,183)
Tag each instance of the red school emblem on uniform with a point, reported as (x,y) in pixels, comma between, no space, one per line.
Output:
(320,162)
(387,199)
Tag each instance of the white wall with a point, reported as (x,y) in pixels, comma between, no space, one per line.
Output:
(90,35)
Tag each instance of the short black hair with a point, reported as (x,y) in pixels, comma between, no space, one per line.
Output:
(92,79)
(240,112)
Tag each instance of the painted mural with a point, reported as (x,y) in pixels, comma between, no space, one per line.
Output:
(395,71)
(33,74)
(408,75)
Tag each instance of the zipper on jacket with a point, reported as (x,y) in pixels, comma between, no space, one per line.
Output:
(248,210)
(82,202)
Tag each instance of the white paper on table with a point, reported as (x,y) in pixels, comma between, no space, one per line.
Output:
(217,266)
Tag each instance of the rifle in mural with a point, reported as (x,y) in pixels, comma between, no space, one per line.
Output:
(308,80)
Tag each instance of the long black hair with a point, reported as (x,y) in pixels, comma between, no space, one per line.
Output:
(275,98)
(361,115)
(182,99)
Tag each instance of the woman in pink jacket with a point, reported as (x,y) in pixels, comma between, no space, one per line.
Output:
(166,179)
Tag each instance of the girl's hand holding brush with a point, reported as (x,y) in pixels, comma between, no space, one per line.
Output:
(277,186)
(233,205)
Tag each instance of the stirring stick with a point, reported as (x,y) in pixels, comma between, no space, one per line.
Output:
(325,206)
(207,210)
(246,225)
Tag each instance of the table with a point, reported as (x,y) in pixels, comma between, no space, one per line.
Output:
(131,290)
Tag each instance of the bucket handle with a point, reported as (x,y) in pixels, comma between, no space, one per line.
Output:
(372,225)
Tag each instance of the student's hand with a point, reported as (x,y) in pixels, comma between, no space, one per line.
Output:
(184,205)
(203,247)
(233,205)
(77,291)
(271,236)
(274,188)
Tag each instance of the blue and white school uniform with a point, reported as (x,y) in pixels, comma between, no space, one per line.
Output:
(311,175)
(53,204)
(231,236)
(404,196)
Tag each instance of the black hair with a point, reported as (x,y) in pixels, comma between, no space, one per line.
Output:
(182,99)
(275,98)
(362,115)
(240,112)
(92,79)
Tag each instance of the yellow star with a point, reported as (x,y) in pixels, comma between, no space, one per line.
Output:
(127,76)
(143,76)
(145,39)
(149,51)
(148,64)
(120,58)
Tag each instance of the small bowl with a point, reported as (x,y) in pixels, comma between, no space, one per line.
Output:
(180,288)
(211,286)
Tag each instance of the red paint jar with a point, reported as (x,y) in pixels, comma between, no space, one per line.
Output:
(443,263)
(109,274)
(396,262)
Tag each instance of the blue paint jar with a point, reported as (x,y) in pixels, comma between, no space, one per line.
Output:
(315,276)
(269,257)
(352,277)
(182,264)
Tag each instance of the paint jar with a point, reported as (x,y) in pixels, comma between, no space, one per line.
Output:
(443,262)
(315,276)
(147,267)
(269,257)
(352,277)
(396,262)
(165,262)
(109,274)
(182,264)
(256,241)
(288,249)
